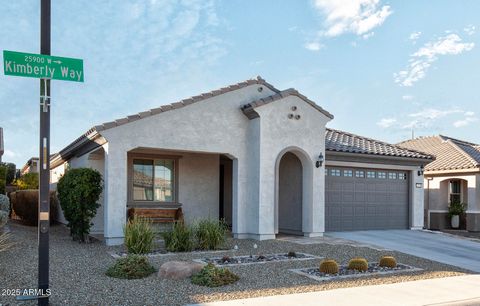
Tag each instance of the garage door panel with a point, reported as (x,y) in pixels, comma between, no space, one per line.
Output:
(361,203)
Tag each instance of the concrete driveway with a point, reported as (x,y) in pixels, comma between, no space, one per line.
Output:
(439,247)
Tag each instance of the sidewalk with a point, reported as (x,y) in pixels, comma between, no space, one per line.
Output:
(452,291)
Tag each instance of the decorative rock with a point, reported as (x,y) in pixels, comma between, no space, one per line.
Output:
(179,269)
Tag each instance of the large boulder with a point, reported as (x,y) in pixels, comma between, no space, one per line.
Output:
(179,269)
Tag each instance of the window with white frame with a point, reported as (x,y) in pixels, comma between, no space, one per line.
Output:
(402,176)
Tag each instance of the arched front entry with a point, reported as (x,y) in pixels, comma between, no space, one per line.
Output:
(290,194)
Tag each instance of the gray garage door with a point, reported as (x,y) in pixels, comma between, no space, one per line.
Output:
(364,199)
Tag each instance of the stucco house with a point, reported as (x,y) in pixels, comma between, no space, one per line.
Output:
(453,175)
(260,157)
(31,166)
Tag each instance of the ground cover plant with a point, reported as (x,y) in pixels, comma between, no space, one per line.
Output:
(211,276)
(131,267)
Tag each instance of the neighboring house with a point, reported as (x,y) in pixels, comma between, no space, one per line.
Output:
(31,166)
(251,154)
(2,149)
(453,176)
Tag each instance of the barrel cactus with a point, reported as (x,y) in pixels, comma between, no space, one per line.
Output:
(388,262)
(358,263)
(329,266)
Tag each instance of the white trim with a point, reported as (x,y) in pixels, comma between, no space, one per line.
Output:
(437,211)
(473,211)
(369,165)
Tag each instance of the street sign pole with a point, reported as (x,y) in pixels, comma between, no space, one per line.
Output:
(44,174)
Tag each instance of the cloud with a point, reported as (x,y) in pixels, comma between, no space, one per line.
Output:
(10,154)
(313,46)
(470,29)
(386,122)
(423,58)
(407,97)
(469,118)
(357,17)
(414,36)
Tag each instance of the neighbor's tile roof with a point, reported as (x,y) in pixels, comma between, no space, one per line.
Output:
(450,153)
(339,141)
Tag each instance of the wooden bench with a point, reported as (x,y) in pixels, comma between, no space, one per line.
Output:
(157,215)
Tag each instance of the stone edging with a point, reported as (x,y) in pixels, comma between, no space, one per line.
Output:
(311,257)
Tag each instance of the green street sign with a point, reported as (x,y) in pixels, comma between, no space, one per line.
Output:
(42,66)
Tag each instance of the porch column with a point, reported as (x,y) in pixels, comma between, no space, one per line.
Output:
(115,192)
(473,209)
(417,200)
(314,201)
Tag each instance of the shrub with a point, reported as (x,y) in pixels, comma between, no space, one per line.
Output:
(456,208)
(3,178)
(11,172)
(291,254)
(212,276)
(78,192)
(139,236)
(387,261)
(131,267)
(210,234)
(4,210)
(27,181)
(359,264)
(180,239)
(329,266)
(25,205)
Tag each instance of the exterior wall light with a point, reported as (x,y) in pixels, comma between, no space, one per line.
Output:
(319,162)
(421,171)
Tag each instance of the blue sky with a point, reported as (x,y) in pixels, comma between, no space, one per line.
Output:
(382,68)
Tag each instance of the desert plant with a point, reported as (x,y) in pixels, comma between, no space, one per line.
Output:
(139,235)
(27,181)
(212,276)
(180,238)
(387,261)
(226,259)
(329,266)
(456,208)
(358,263)
(131,267)
(210,234)
(78,192)
(25,205)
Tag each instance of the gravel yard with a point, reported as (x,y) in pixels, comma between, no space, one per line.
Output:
(77,272)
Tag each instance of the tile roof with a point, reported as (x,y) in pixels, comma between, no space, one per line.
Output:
(339,141)
(450,153)
(249,109)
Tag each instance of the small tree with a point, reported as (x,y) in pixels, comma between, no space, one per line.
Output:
(11,170)
(78,192)
(27,181)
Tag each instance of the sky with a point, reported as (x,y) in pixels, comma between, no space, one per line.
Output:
(384,69)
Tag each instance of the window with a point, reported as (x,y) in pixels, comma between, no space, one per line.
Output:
(381,175)
(153,180)
(370,174)
(359,174)
(402,176)
(335,172)
(392,176)
(455,191)
(348,173)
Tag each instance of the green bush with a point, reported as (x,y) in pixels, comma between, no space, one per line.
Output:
(78,192)
(11,172)
(212,276)
(139,236)
(25,205)
(131,267)
(180,239)
(210,234)
(3,178)
(456,208)
(27,181)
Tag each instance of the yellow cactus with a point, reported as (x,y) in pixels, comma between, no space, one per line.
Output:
(358,263)
(387,261)
(329,266)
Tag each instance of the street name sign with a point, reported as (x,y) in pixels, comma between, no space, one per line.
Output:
(42,66)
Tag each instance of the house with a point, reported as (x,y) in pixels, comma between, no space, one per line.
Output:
(31,166)
(453,176)
(259,157)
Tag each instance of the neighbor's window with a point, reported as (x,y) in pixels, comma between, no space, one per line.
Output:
(359,173)
(370,174)
(455,191)
(348,173)
(153,180)
(381,175)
